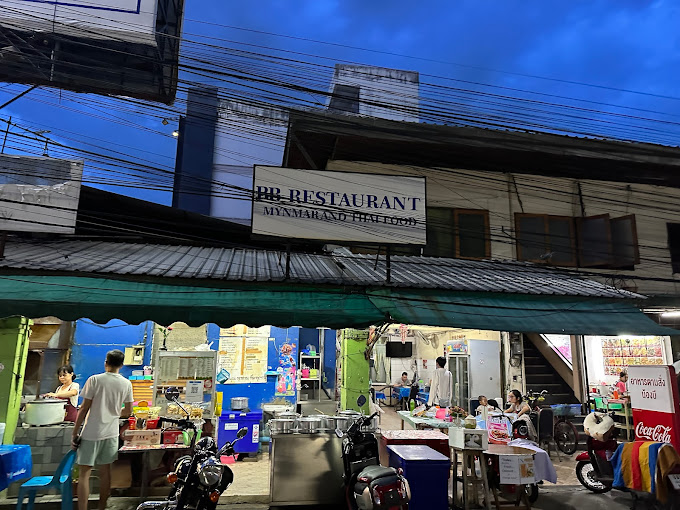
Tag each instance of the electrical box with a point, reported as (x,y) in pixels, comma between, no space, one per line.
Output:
(134,355)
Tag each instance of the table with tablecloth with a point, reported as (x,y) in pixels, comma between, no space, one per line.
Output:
(423,423)
(15,463)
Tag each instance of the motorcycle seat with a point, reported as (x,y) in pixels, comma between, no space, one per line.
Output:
(372,473)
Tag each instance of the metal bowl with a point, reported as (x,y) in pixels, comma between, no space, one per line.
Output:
(343,422)
(308,425)
(325,422)
(239,403)
(281,426)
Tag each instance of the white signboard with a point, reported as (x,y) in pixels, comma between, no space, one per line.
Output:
(339,206)
(194,392)
(39,194)
(650,388)
(245,358)
(516,469)
(129,20)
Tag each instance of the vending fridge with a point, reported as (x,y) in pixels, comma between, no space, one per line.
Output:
(476,370)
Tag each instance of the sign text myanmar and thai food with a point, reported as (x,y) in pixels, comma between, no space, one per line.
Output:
(338,206)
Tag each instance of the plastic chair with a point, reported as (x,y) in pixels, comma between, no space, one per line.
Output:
(62,480)
(546,430)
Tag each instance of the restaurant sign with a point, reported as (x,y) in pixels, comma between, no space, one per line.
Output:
(654,399)
(338,206)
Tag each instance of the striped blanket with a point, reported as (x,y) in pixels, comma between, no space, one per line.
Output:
(635,467)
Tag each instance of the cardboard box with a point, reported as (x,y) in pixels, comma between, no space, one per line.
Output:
(468,439)
(142,437)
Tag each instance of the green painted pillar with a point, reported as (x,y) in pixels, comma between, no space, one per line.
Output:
(355,375)
(14,333)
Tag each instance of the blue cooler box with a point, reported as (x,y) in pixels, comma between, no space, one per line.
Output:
(427,472)
(229,424)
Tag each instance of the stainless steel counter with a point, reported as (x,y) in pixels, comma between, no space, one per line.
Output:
(306,469)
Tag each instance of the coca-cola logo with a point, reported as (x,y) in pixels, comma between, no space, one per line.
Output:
(658,433)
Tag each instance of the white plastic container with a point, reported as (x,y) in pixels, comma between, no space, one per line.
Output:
(45,412)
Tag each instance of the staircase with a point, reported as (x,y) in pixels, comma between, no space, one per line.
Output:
(540,375)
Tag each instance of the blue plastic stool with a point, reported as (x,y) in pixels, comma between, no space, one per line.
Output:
(379,395)
(62,480)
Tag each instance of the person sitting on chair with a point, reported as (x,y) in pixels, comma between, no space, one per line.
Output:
(402,382)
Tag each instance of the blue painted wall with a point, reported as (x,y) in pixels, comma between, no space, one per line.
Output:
(329,360)
(92,341)
(261,393)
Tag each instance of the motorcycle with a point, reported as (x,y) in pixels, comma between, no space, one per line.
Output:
(200,478)
(593,469)
(368,485)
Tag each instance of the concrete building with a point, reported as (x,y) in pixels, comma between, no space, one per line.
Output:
(220,140)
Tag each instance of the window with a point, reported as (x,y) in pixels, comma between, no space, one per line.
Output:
(674,245)
(591,241)
(625,250)
(459,233)
(545,238)
(345,99)
(594,241)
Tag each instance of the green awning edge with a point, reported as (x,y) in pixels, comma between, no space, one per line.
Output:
(517,312)
(257,304)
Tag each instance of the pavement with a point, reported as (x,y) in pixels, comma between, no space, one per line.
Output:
(250,490)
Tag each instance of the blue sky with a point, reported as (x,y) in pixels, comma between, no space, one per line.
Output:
(616,46)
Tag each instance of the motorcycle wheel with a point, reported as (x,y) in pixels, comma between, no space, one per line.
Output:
(586,475)
(532,492)
(566,437)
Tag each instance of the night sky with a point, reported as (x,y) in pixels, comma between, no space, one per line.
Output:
(620,56)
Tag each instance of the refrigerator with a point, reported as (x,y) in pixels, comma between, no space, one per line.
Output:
(474,372)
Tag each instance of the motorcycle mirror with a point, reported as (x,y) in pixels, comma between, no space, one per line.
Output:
(361,400)
(242,433)
(172,393)
(605,402)
(338,433)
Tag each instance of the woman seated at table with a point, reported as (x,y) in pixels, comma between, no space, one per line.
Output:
(523,411)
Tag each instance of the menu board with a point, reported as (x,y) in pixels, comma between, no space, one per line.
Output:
(620,353)
(244,358)
(516,469)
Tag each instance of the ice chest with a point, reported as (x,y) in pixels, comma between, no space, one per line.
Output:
(142,437)
(427,472)
(468,439)
(435,439)
(229,424)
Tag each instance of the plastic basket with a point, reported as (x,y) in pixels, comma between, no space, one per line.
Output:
(566,409)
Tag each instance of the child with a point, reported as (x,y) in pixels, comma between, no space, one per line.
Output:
(483,405)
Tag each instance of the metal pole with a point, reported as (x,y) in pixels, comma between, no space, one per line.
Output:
(9,123)
(19,96)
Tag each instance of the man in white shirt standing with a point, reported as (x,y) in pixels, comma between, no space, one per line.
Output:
(104,396)
(440,389)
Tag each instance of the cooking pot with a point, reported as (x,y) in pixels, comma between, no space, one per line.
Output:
(308,425)
(45,412)
(281,426)
(325,422)
(239,403)
(343,422)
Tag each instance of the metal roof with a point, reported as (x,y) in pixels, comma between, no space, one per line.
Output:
(339,268)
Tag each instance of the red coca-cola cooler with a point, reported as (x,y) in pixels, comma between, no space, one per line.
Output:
(432,438)
(655,401)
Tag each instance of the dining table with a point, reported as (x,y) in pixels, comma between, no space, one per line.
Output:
(15,463)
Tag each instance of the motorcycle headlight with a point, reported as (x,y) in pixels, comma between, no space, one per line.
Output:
(209,472)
